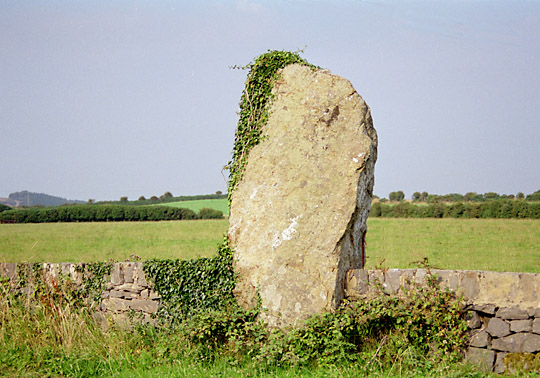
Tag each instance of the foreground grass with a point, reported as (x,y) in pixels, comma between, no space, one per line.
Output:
(223,368)
(89,242)
(54,337)
(483,244)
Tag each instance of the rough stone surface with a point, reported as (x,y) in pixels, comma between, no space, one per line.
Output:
(480,340)
(298,215)
(483,358)
(498,328)
(143,305)
(512,313)
(517,343)
(473,320)
(487,308)
(521,325)
(536,326)
(531,343)
(500,367)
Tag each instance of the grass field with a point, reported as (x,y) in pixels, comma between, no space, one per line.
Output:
(88,242)
(220,204)
(483,244)
(480,244)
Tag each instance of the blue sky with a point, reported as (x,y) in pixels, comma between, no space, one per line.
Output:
(103,99)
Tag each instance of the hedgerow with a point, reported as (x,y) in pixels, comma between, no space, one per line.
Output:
(97,213)
(492,209)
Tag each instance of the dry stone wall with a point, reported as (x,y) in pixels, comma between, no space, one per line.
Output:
(503,310)
(126,294)
(503,317)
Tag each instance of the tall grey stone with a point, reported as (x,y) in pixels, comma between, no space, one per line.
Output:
(298,216)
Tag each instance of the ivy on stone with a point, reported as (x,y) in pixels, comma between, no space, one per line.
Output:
(254,106)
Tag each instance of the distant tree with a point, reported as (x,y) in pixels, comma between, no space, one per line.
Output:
(91,201)
(141,198)
(397,196)
(424,196)
(520,195)
(167,195)
(534,197)
(491,196)
(123,199)
(219,192)
(416,196)
(154,199)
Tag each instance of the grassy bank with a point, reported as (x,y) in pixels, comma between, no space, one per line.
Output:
(484,244)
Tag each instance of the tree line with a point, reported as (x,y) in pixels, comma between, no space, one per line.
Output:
(456,197)
(502,208)
(104,213)
(167,197)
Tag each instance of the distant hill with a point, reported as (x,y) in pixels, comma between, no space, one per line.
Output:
(27,199)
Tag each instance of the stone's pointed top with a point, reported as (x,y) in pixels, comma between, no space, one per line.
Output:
(298,215)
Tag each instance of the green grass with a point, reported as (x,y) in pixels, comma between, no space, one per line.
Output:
(483,244)
(511,245)
(220,204)
(89,242)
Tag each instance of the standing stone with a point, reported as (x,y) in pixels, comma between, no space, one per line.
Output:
(298,215)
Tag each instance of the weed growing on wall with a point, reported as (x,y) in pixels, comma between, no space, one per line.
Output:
(254,106)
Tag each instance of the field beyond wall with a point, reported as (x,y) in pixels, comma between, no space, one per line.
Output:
(482,244)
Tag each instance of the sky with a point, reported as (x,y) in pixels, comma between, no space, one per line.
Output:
(105,99)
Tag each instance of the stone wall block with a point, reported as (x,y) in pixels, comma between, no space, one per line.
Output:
(144,294)
(139,277)
(469,284)
(376,277)
(131,287)
(117,294)
(407,278)
(473,320)
(117,274)
(500,366)
(9,270)
(513,313)
(536,326)
(531,343)
(393,280)
(481,357)
(448,278)
(521,325)
(115,305)
(529,288)
(128,272)
(420,276)
(480,339)
(148,306)
(512,343)
(498,328)
(486,308)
